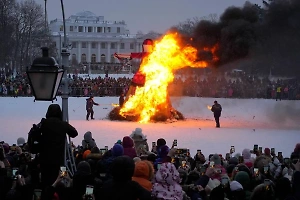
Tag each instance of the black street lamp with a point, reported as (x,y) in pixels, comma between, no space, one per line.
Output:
(45,77)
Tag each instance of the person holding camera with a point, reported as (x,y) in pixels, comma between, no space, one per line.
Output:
(217,109)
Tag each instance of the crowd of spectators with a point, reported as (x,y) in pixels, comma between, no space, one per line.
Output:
(131,169)
(228,85)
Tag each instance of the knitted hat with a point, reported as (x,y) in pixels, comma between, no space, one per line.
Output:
(164,150)
(233,161)
(86,153)
(216,159)
(20,141)
(243,178)
(234,186)
(84,167)
(246,154)
(297,148)
(117,150)
(161,142)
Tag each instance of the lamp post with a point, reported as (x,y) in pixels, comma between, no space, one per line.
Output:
(45,77)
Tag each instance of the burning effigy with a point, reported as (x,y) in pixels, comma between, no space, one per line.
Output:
(147,98)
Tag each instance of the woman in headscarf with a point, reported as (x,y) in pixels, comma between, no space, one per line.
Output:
(167,183)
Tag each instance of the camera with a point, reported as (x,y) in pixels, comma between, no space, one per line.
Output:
(89,190)
(232,149)
(255,148)
(260,149)
(175,143)
(14,173)
(272,151)
(224,181)
(212,164)
(63,171)
(106,148)
(256,172)
(267,184)
(266,169)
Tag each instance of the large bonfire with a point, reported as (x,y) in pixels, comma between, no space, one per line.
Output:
(151,101)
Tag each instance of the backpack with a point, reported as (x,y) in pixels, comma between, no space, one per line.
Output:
(34,138)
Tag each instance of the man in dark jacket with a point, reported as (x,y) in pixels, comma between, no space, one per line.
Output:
(53,140)
(217,109)
(89,107)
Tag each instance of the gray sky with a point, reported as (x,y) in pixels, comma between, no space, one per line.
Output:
(143,15)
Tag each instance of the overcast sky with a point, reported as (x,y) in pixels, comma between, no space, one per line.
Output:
(143,15)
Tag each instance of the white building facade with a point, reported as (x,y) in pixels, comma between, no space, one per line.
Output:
(94,40)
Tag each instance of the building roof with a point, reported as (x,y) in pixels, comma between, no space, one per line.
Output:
(85,14)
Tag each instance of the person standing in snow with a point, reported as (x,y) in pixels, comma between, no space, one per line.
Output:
(217,109)
(89,107)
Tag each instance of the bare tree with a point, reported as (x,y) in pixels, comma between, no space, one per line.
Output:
(7,11)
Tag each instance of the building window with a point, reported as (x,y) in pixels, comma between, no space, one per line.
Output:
(103,58)
(112,59)
(103,46)
(71,28)
(113,45)
(61,28)
(99,29)
(94,45)
(122,46)
(90,29)
(108,29)
(118,30)
(74,44)
(80,28)
(131,46)
(83,44)
(93,58)
(83,58)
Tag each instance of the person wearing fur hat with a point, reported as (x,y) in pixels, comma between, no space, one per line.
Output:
(140,141)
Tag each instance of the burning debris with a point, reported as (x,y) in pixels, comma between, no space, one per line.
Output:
(149,100)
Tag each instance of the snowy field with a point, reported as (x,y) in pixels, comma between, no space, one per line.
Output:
(244,122)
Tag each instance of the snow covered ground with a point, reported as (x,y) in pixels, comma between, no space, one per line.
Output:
(244,122)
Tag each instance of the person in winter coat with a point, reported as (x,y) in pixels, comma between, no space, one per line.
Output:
(121,186)
(53,140)
(88,142)
(89,107)
(143,174)
(121,100)
(217,109)
(128,146)
(140,141)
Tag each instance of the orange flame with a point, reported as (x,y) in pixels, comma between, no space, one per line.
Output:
(209,107)
(167,57)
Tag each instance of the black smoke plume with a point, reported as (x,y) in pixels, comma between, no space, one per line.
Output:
(254,38)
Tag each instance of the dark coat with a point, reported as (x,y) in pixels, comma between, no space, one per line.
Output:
(216,109)
(90,103)
(54,132)
(121,101)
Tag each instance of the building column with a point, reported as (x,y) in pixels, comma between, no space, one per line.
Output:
(88,59)
(137,49)
(118,47)
(108,52)
(79,52)
(99,52)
